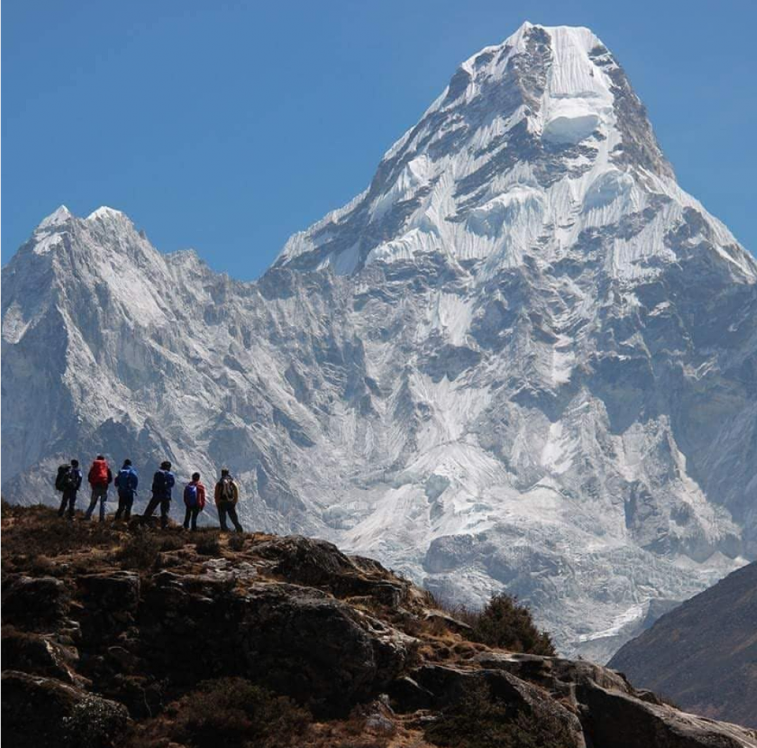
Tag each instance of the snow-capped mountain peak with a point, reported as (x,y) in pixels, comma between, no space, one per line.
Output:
(56,218)
(534,144)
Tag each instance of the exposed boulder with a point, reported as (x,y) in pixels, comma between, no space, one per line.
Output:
(36,604)
(39,654)
(299,641)
(621,720)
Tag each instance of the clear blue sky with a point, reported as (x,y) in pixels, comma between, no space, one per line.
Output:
(227,126)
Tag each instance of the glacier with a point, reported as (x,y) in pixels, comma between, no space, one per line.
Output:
(523,359)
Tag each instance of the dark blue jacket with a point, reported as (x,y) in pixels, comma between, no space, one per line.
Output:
(162,483)
(79,477)
(127,481)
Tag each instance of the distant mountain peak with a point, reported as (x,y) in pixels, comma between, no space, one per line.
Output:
(547,116)
(106,213)
(59,216)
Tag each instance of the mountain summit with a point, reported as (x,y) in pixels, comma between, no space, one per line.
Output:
(522,359)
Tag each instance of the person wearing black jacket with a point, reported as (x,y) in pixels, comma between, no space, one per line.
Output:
(72,483)
(162,483)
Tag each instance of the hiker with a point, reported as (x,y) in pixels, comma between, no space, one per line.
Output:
(162,483)
(126,482)
(68,481)
(194,500)
(99,478)
(226,497)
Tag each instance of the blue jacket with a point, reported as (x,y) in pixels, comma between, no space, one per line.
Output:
(127,481)
(162,483)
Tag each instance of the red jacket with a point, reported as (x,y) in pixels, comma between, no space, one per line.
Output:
(99,474)
(200,494)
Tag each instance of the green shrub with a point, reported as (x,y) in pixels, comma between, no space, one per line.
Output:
(234,713)
(503,623)
(506,624)
(479,721)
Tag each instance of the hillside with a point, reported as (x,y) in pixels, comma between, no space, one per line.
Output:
(703,654)
(126,636)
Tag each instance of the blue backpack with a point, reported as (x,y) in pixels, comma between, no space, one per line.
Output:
(190,495)
(127,481)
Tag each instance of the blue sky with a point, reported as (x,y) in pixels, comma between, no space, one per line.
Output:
(227,126)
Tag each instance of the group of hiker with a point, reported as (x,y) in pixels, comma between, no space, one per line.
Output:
(69,480)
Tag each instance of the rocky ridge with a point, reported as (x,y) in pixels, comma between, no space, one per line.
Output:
(109,630)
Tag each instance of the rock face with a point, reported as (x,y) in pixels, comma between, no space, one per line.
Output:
(522,359)
(111,666)
(703,653)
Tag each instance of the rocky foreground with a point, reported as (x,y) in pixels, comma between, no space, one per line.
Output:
(126,636)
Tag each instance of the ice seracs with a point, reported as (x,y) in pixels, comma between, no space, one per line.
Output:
(521,359)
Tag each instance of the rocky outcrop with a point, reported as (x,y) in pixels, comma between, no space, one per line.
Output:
(119,653)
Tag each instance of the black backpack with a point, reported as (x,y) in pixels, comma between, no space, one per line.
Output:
(65,479)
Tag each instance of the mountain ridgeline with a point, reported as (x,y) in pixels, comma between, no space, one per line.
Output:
(522,359)
(703,654)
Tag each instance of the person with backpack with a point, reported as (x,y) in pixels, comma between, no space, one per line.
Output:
(68,482)
(99,478)
(126,482)
(226,497)
(162,483)
(194,500)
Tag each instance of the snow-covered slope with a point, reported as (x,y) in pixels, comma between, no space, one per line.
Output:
(523,358)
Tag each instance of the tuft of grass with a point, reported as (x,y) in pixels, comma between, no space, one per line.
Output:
(208,544)
(236,541)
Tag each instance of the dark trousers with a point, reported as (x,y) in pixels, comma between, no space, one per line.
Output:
(228,507)
(68,500)
(125,503)
(101,493)
(191,515)
(165,508)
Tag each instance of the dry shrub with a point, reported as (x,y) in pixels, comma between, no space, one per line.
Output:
(140,551)
(236,541)
(480,721)
(208,544)
(234,713)
(40,532)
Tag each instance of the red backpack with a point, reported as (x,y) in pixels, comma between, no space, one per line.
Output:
(98,474)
